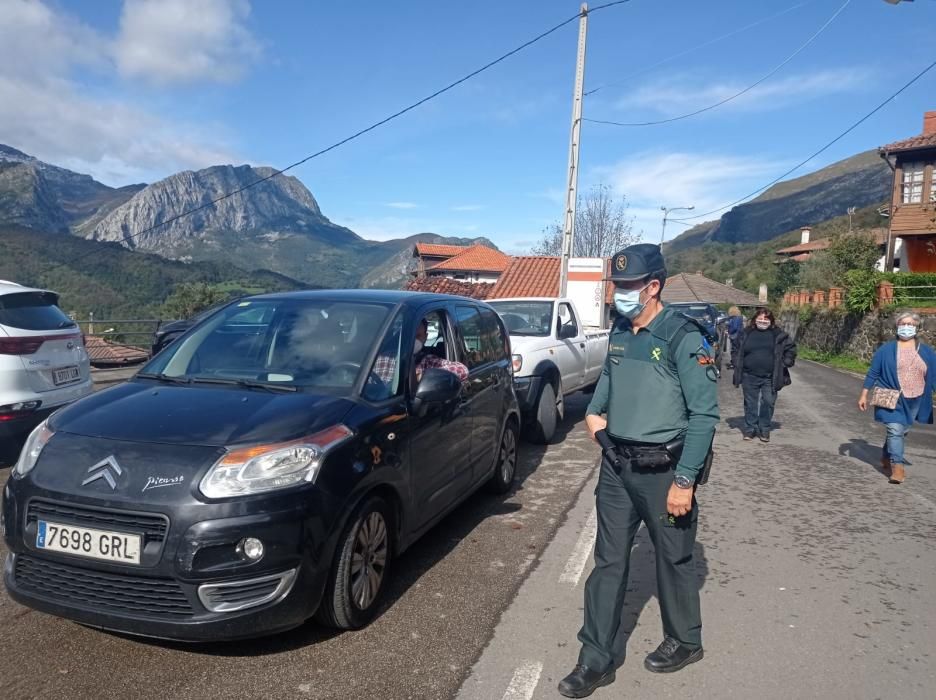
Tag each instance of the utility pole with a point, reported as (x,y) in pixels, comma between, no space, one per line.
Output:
(568,230)
(851,213)
(666,212)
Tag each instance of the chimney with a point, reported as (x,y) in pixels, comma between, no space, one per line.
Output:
(804,235)
(929,123)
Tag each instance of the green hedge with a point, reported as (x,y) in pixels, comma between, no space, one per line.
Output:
(912,297)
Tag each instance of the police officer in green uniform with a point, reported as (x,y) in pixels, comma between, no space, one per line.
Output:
(659,392)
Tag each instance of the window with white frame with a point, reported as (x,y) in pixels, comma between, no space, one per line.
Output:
(912,185)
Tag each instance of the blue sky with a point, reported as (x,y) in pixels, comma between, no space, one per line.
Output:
(134,90)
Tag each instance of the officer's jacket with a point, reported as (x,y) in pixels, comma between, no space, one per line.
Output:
(654,393)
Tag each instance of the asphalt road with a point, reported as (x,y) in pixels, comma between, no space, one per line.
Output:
(814,575)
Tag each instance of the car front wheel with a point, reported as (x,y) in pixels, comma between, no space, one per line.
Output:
(359,574)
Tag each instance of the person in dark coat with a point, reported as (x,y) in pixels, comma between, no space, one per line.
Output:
(762,368)
(735,326)
(908,366)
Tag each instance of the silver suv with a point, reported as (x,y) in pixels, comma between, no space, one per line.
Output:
(43,361)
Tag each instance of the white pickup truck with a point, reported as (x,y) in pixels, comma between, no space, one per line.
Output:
(554,355)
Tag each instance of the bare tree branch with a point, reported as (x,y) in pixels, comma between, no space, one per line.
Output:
(602,227)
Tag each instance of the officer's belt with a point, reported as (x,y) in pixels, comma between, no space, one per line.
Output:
(650,455)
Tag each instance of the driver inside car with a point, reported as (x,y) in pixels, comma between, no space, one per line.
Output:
(385,366)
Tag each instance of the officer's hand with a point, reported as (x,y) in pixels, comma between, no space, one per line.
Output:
(595,423)
(678,501)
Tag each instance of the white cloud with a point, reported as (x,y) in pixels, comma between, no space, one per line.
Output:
(47,113)
(650,180)
(468,207)
(181,41)
(684,94)
(402,205)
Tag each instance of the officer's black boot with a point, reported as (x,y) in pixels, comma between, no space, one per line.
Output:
(671,656)
(582,682)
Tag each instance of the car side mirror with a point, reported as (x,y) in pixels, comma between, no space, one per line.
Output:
(567,332)
(437,386)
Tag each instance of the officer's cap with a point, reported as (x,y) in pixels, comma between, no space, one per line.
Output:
(637,262)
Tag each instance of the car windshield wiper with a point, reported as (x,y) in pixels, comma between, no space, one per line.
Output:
(248,383)
(165,378)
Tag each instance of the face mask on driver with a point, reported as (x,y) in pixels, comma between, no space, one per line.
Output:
(762,323)
(906,331)
(628,303)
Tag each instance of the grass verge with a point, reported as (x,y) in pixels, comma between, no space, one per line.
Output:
(847,362)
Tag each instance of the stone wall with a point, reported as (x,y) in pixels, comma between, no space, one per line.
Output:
(837,332)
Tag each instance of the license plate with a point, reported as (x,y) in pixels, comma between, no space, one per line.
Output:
(87,542)
(65,375)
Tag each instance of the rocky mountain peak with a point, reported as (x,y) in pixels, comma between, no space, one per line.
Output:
(278,204)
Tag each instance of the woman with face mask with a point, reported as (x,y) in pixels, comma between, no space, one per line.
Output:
(762,364)
(908,366)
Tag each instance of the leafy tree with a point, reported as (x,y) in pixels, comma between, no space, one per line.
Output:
(787,276)
(602,227)
(188,299)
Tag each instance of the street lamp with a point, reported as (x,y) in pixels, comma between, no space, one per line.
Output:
(666,212)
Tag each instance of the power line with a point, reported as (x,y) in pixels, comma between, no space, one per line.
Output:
(737,94)
(704,44)
(820,151)
(370,128)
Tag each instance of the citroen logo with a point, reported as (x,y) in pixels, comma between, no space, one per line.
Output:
(105,469)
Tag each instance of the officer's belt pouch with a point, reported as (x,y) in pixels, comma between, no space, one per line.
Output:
(655,457)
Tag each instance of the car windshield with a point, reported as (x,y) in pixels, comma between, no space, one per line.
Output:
(525,317)
(290,343)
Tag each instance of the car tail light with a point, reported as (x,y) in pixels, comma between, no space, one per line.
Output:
(29,345)
(12,411)
(20,346)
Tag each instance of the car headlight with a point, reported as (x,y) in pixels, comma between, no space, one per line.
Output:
(245,471)
(517,362)
(37,439)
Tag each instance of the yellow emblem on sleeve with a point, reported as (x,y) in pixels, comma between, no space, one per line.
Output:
(656,354)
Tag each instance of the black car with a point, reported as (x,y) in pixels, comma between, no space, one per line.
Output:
(267,467)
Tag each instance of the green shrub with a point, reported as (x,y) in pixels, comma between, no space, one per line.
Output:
(861,290)
(904,292)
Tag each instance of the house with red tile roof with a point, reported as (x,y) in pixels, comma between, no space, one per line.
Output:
(913,201)
(475,263)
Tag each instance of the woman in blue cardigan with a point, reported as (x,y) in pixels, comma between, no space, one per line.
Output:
(909,366)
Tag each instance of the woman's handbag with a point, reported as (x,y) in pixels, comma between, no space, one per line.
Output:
(885,398)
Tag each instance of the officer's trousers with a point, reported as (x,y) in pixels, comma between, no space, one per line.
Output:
(624,499)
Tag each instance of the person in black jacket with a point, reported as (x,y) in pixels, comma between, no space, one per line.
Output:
(762,368)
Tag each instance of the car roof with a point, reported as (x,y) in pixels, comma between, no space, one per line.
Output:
(379,296)
(7,287)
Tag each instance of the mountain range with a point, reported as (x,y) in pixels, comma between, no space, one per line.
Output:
(859,181)
(275,225)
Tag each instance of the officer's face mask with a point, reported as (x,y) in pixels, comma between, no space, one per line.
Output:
(906,331)
(627,302)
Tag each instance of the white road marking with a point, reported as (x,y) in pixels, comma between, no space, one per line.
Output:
(576,564)
(524,681)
